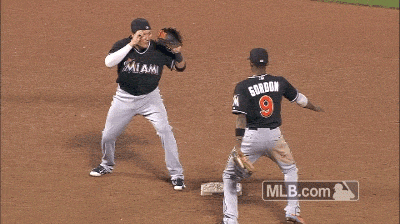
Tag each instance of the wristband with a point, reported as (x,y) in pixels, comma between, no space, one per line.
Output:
(178,57)
(239,132)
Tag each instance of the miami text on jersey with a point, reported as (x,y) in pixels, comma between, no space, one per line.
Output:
(135,67)
(264,87)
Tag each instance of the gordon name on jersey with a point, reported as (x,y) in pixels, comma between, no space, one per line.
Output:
(265,87)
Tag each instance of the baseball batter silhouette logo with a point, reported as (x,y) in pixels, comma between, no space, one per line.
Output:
(342,195)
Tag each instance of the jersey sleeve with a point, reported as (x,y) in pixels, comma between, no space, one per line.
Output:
(240,101)
(289,91)
(170,62)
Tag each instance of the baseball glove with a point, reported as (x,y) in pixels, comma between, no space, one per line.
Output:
(242,161)
(170,38)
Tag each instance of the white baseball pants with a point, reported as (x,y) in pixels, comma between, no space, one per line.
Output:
(123,108)
(257,143)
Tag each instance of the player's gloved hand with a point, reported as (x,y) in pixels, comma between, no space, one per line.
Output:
(171,39)
(242,161)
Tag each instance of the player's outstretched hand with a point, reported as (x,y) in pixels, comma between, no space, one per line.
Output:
(314,108)
(319,109)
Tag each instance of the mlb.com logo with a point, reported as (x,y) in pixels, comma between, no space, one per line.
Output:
(311,190)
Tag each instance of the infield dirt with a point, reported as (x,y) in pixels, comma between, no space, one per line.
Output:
(56,91)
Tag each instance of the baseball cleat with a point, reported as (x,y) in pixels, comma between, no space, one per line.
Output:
(99,171)
(294,219)
(178,184)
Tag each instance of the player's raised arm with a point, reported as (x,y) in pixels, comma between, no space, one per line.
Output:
(115,58)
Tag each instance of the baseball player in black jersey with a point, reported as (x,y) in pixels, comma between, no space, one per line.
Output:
(257,104)
(140,62)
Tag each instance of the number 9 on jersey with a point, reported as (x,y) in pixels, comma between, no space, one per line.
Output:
(267,106)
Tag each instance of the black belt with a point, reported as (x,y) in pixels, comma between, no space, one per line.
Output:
(253,128)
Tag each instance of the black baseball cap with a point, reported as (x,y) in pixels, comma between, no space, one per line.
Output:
(258,56)
(140,24)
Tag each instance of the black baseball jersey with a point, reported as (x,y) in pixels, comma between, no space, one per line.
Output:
(260,97)
(140,72)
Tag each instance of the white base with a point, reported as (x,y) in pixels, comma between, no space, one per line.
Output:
(217,188)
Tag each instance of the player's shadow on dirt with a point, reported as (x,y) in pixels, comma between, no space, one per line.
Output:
(126,146)
(247,198)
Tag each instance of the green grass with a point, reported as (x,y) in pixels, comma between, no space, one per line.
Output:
(376,3)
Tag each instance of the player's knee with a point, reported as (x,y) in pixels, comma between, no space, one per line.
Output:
(163,130)
(227,175)
(286,168)
(231,175)
(290,173)
(242,174)
(237,174)
(108,137)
